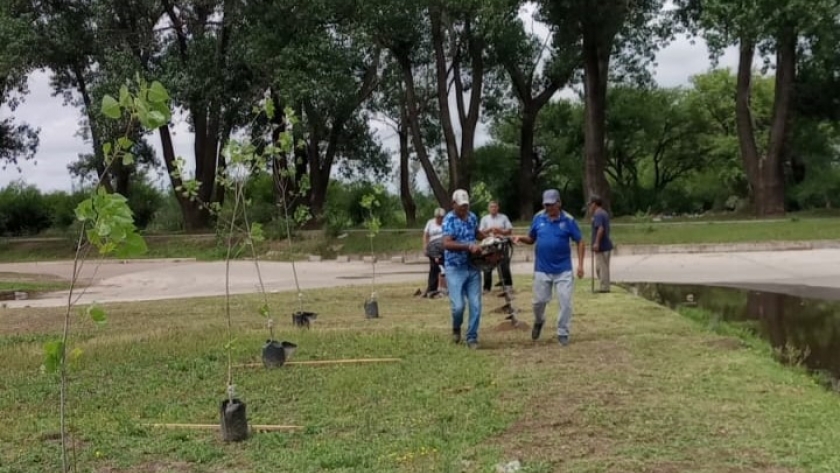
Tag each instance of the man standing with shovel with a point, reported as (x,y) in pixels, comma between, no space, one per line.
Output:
(602,244)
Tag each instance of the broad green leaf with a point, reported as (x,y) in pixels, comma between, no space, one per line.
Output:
(85,210)
(133,245)
(106,148)
(269,107)
(156,119)
(128,159)
(264,310)
(110,107)
(158,93)
(125,143)
(125,97)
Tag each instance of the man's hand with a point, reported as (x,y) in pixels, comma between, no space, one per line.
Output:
(474,248)
(580,272)
(595,247)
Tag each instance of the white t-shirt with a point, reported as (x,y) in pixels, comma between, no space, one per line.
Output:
(499,221)
(434,230)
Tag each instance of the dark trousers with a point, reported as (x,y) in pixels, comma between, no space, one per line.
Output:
(507,280)
(434,272)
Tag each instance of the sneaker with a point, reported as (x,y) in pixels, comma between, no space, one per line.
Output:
(535,332)
(456,335)
(472,345)
(563,339)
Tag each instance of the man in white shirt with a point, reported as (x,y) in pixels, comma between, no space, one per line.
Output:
(496,223)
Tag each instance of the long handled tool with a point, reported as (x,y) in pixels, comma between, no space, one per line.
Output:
(496,251)
(592,268)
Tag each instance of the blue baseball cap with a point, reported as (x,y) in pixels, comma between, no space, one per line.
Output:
(551,197)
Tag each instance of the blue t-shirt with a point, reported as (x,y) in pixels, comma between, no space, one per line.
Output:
(462,231)
(553,238)
(602,219)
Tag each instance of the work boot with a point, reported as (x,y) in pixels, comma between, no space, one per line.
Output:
(456,335)
(563,339)
(535,332)
(472,345)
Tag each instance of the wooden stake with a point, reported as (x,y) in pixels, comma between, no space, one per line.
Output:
(329,362)
(264,428)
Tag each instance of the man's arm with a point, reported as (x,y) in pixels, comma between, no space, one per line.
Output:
(581,247)
(507,228)
(577,236)
(530,239)
(450,244)
(599,224)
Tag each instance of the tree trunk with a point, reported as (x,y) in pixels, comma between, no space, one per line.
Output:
(744,123)
(439,191)
(772,170)
(442,74)
(98,154)
(595,63)
(407,200)
(189,209)
(526,163)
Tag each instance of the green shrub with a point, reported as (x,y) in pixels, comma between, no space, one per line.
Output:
(23,210)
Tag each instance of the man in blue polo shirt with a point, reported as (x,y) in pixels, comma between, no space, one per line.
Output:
(463,279)
(553,231)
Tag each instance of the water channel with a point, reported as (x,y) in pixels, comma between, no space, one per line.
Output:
(802,324)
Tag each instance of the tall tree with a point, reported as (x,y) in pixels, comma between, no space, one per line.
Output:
(203,64)
(460,32)
(537,68)
(68,43)
(402,28)
(765,27)
(626,30)
(17,141)
(391,107)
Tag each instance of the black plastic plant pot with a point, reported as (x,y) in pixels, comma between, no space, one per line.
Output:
(372,309)
(275,354)
(234,420)
(302,319)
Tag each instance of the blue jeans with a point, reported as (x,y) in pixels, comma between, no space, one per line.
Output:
(464,285)
(563,285)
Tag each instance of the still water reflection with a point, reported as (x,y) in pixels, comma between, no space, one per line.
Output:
(799,329)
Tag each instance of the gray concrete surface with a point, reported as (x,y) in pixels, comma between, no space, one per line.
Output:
(133,281)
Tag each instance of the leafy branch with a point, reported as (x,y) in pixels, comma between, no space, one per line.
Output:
(106,221)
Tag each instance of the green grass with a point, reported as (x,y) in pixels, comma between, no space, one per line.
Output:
(641,388)
(392,241)
(28,286)
(31,283)
(650,233)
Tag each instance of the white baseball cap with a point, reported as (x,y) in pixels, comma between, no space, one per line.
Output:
(461,197)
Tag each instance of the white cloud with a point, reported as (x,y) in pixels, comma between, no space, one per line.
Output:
(59,124)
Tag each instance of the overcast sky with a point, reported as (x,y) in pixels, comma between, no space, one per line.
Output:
(59,124)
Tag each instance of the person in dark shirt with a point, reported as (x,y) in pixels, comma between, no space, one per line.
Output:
(602,244)
(553,231)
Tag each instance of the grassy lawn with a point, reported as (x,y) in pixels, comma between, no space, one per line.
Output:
(31,283)
(356,242)
(640,389)
(648,233)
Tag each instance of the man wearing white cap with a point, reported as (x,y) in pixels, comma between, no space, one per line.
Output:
(460,238)
(553,231)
